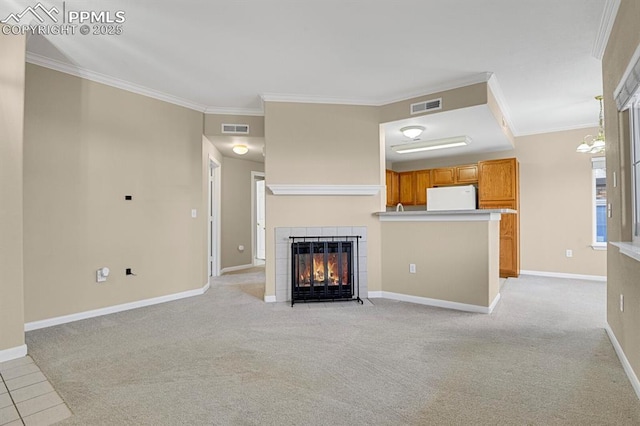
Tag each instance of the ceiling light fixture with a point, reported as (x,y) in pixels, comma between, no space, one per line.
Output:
(412,132)
(591,145)
(240,149)
(432,144)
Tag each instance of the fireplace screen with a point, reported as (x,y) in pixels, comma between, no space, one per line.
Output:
(322,268)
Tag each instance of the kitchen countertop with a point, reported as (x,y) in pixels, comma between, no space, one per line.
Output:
(444,215)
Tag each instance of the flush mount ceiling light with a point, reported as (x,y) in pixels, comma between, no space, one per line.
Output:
(240,149)
(591,145)
(412,132)
(432,144)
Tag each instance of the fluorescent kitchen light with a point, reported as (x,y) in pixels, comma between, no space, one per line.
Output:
(431,145)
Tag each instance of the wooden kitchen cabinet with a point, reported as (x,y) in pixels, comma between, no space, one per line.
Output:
(498,188)
(423,181)
(467,174)
(509,238)
(456,175)
(407,183)
(498,180)
(443,176)
(408,188)
(393,188)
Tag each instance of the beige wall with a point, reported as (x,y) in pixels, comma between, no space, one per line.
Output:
(455,261)
(462,97)
(88,145)
(12,55)
(236,211)
(622,272)
(323,144)
(556,208)
(555,201)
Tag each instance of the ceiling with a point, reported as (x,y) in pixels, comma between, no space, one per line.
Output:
(225,145)
(478,123)
(222,56)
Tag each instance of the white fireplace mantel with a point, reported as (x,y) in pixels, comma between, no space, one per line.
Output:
(296,189)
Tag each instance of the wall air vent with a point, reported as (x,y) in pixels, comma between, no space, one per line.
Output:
(236,129)
(426,106)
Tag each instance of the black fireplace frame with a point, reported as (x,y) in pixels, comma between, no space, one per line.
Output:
(315,293)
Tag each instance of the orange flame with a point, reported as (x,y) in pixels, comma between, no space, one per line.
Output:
(316,267)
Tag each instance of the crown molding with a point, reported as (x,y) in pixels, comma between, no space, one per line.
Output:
(488,77)
(312,99)
(258,112)
(55,65)
(557,129)
(111,81)
(502,102)
(482,77)
(604,31)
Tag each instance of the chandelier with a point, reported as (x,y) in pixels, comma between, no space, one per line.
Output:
(591,145)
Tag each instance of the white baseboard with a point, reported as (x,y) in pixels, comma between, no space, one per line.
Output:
(493,304)
(236,268)
(624,361)
(13,353)
(270,299)
(563,275)
(35,325)
(435,302)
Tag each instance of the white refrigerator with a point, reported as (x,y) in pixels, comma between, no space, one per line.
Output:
(451,198)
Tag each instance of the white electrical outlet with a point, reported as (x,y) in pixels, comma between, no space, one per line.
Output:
(569,253)
(194,213)
(412,268)
(622,303)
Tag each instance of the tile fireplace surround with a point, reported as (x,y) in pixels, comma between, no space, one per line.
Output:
(283,255)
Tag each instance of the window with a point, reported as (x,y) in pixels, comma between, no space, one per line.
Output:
(627,98)
(634,118)
(599,179)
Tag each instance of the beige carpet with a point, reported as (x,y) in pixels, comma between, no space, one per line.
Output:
(227,358)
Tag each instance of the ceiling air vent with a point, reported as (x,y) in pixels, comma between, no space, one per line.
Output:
(238,129)
(426,106)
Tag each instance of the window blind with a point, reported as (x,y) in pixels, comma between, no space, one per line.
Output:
(629,87)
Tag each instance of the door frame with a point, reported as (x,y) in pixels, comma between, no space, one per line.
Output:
(255,176)
(214,212)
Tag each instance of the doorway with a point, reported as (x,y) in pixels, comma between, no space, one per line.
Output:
(258,217)
(213,221)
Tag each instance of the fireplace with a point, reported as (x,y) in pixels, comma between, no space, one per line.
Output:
(324,269)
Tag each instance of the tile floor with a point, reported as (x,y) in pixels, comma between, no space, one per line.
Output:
(26,396)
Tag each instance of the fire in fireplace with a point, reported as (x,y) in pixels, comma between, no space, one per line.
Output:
(322,268)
